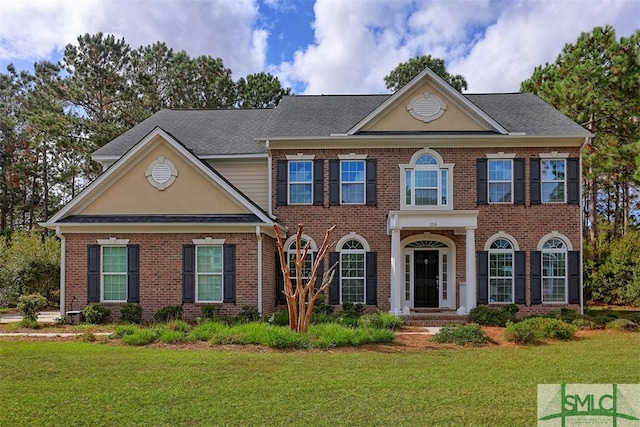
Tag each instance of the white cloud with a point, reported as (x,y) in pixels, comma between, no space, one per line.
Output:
(33,29)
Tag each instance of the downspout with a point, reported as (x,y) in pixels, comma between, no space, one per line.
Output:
(581,219)
(269,180)
(259,237)
(63,248)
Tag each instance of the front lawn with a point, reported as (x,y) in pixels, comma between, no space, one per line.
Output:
(76,383)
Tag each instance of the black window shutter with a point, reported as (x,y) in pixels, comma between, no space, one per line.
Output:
(280,298)
(518,181)
(133,274)
(573,181)
(371,190)
(534,181)
(188,274)
(318,182)
(520,277)
(229,274)
(334,288)
(536,277)
(319,274)
(334,182)
(483,277)
(371,278)
(574,276)
(93,273)
(281,182)
(481,181)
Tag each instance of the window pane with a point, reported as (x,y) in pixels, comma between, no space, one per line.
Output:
(352,193)
(499,192)
(209,287)
(500,170)
(553,290)
(552,170)
(426,197)
(553,264)
(426,159)
(209,259)
(352,277)
(353,291)
(426,179)
(501,265)
(500,290)
(408,187)
(115,287)
(352,171)
(353,244)
(443,186)
(114,260)
(553,192)
(300,193)
(300,171)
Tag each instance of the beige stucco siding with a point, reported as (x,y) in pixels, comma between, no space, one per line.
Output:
(248,176)
(399,119)
(191,193)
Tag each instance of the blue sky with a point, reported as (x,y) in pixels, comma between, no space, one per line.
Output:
(324,46)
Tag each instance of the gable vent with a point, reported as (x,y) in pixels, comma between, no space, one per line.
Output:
(426,107)
(161,173)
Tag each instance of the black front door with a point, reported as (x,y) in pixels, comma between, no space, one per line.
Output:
(425,279)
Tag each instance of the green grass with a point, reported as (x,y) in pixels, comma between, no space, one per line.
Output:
(75,383)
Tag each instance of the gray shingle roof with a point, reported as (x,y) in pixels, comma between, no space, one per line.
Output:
(202,131)
(525,112)
(232,132)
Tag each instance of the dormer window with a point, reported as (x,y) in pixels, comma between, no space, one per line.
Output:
(426,182)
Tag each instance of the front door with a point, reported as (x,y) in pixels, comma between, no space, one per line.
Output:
(425,278)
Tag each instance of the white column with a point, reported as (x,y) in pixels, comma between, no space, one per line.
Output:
(470,263)
(396,271)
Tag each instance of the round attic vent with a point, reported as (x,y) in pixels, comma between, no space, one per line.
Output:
(426,107)
(161,173)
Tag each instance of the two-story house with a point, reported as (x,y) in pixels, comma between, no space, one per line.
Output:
(442,201)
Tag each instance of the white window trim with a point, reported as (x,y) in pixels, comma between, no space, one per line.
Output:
(513,264)
(566,266)
(113,241)
(489,182)
(501,155)
(208,241)
(300,156)
(412,166)
(352,156)
(363,251)
(304,158)
(363,182)
(197,274)
(102,273)
(557,157)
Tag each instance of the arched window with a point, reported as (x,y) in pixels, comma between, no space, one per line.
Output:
(352,271)
(554,271)
(426,181)
(501,271)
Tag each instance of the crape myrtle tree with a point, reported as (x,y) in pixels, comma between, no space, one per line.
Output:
(302,298)
(404,72)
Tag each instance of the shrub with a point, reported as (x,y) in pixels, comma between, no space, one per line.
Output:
(131,313)
(168,313)
(140,337)
(248,314)
(380,320)
(568,315)
(28,324)
(322,306)
(178,325)
(584,323)
(487,316)
(352,310)
(169,336)
(123,330)
(538,328)
(96,314)
(470,334)
(280,318)
(87,336)
(206,330)
(210,311)
(30,306)
(281,337)
(623,324)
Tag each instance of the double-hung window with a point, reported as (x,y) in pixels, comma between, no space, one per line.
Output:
(209,274)
(352,182)
(307,265)
(553,181)
(114,273)
(554,271)
(427,182)
(501,271)
(300,182)
(352,272)
(500,180)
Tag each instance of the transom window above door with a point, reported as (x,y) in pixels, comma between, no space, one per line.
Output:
(426,182)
